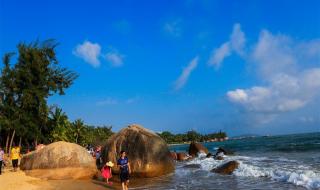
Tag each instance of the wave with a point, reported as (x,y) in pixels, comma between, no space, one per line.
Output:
(278,169)
(305,178)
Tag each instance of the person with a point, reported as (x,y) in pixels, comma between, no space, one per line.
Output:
(1,159)
(106,171)
(98,157)
(125,170)
(15,155)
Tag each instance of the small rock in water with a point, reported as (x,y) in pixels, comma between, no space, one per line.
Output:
(209,155)
(192,166)
(182,156)
(227,168)
(196,148)
(218,158)
(174,155)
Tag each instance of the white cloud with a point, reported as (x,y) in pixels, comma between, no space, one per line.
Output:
(280,64)
(238,95)
(89,52)
(237,39)
(107,101)
(173,28)
(219,54)
(236,43)
(115,59)
(183,78)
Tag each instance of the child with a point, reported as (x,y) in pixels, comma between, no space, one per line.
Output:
(106,171)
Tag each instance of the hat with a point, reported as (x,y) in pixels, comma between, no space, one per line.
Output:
(110,164)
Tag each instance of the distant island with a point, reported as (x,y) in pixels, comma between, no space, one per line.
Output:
(192,136)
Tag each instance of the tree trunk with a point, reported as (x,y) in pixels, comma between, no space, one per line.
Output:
(20,142)
(13,133)
(36,143)
(7,142)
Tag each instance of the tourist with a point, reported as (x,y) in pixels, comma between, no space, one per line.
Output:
(1,159)
(124,167)
(107,172)
(98,157)
(15,155)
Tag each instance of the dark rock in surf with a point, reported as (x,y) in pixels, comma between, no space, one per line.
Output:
(174,155)
(218,158)
(182,156)
(192,166)
(227,168)
(196,148)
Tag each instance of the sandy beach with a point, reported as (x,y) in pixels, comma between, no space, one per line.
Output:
(20,181)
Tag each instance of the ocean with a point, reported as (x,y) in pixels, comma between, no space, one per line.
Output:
(273,162)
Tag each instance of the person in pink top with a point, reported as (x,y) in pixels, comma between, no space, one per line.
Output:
(106,172)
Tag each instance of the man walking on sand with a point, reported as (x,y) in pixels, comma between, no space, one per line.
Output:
(125,170)
(1,159)
(15,155)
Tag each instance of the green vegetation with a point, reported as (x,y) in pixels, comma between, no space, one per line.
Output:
(25,87)
(190,136)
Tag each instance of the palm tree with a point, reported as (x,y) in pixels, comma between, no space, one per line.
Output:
(60,125)
(78,130)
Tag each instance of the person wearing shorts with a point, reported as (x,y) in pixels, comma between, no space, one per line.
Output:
(125,170)
(15,155)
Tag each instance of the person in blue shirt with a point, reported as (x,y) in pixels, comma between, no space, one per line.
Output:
(124,168)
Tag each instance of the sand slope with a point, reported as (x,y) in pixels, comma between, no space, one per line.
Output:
(20,181)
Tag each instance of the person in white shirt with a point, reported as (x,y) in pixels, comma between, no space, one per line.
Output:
(1,159)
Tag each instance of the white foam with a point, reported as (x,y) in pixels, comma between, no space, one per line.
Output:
(305,178)
(299,175)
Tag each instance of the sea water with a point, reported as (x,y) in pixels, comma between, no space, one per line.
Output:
(273,162)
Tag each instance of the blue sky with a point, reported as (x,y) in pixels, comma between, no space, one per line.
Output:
(239,66)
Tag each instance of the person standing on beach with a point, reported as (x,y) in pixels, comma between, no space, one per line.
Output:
(106,172)
(125,170)
(15,155)
(1,159)
(98,157)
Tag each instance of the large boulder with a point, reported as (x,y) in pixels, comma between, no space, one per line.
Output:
(196,148)
(147,152)
(227,168)
(59,160)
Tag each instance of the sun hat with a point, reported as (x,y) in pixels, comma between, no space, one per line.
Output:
(110,164)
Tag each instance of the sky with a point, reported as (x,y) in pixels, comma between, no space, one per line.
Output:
(244,67)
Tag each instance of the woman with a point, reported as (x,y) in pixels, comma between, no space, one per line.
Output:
(124,167)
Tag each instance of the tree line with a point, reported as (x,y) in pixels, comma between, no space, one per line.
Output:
(190,136)
(25,86)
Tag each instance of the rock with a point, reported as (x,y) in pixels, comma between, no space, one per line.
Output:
(209,155)
(192,166)
(59,160)
(218,158)
(147,152)
(174,155)
(182,156)
(227,168)
(225,151)
(196,148)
